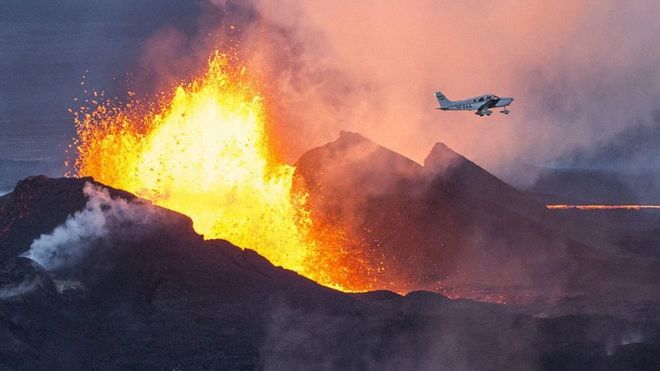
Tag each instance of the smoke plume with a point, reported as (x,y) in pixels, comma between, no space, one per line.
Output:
(69,243)
(582,74)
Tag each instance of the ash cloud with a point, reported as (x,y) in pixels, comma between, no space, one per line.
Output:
(581,74)
(174,52)
(103,217)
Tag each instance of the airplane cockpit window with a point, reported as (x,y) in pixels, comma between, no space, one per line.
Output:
(481,99)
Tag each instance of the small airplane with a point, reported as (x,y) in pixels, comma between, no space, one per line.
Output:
(481,104)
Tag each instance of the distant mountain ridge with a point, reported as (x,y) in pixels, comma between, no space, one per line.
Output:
(584,186)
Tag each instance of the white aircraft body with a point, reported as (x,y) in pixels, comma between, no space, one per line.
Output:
(481,104)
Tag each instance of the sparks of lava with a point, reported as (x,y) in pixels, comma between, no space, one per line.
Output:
(602,207)
(204,151)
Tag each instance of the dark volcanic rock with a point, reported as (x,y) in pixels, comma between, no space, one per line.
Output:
(37,205)
(428,223)
(22,279)
(467,180)
(161,297)
(451,227)
(161,292)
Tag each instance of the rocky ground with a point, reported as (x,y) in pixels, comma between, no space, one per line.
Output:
(152,294)
(94,278)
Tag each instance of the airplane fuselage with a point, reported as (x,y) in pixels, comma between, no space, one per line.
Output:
(473,104)
(481,104)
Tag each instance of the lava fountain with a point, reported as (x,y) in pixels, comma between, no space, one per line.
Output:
(203,150)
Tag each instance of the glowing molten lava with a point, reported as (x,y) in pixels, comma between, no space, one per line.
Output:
(204,152)
(602,207)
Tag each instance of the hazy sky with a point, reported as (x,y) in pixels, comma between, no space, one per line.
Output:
(584,74)
(45,48)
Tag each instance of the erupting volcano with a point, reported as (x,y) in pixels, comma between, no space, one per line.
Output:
(268,185)
(204,151)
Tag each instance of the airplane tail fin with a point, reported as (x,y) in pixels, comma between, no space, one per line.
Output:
(442,99)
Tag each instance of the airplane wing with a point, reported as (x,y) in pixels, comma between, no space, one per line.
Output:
(483,109)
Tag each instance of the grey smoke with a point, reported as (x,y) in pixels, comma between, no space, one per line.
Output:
(12,291)
(71,241)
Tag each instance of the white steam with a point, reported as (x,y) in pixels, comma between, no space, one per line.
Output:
(9,292)
(70,242)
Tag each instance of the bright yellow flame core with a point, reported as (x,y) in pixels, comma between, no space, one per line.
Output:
(205,153)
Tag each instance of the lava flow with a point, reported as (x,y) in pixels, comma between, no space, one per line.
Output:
(601,207)
(204,151)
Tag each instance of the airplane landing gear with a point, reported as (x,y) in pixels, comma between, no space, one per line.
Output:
(505,111)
